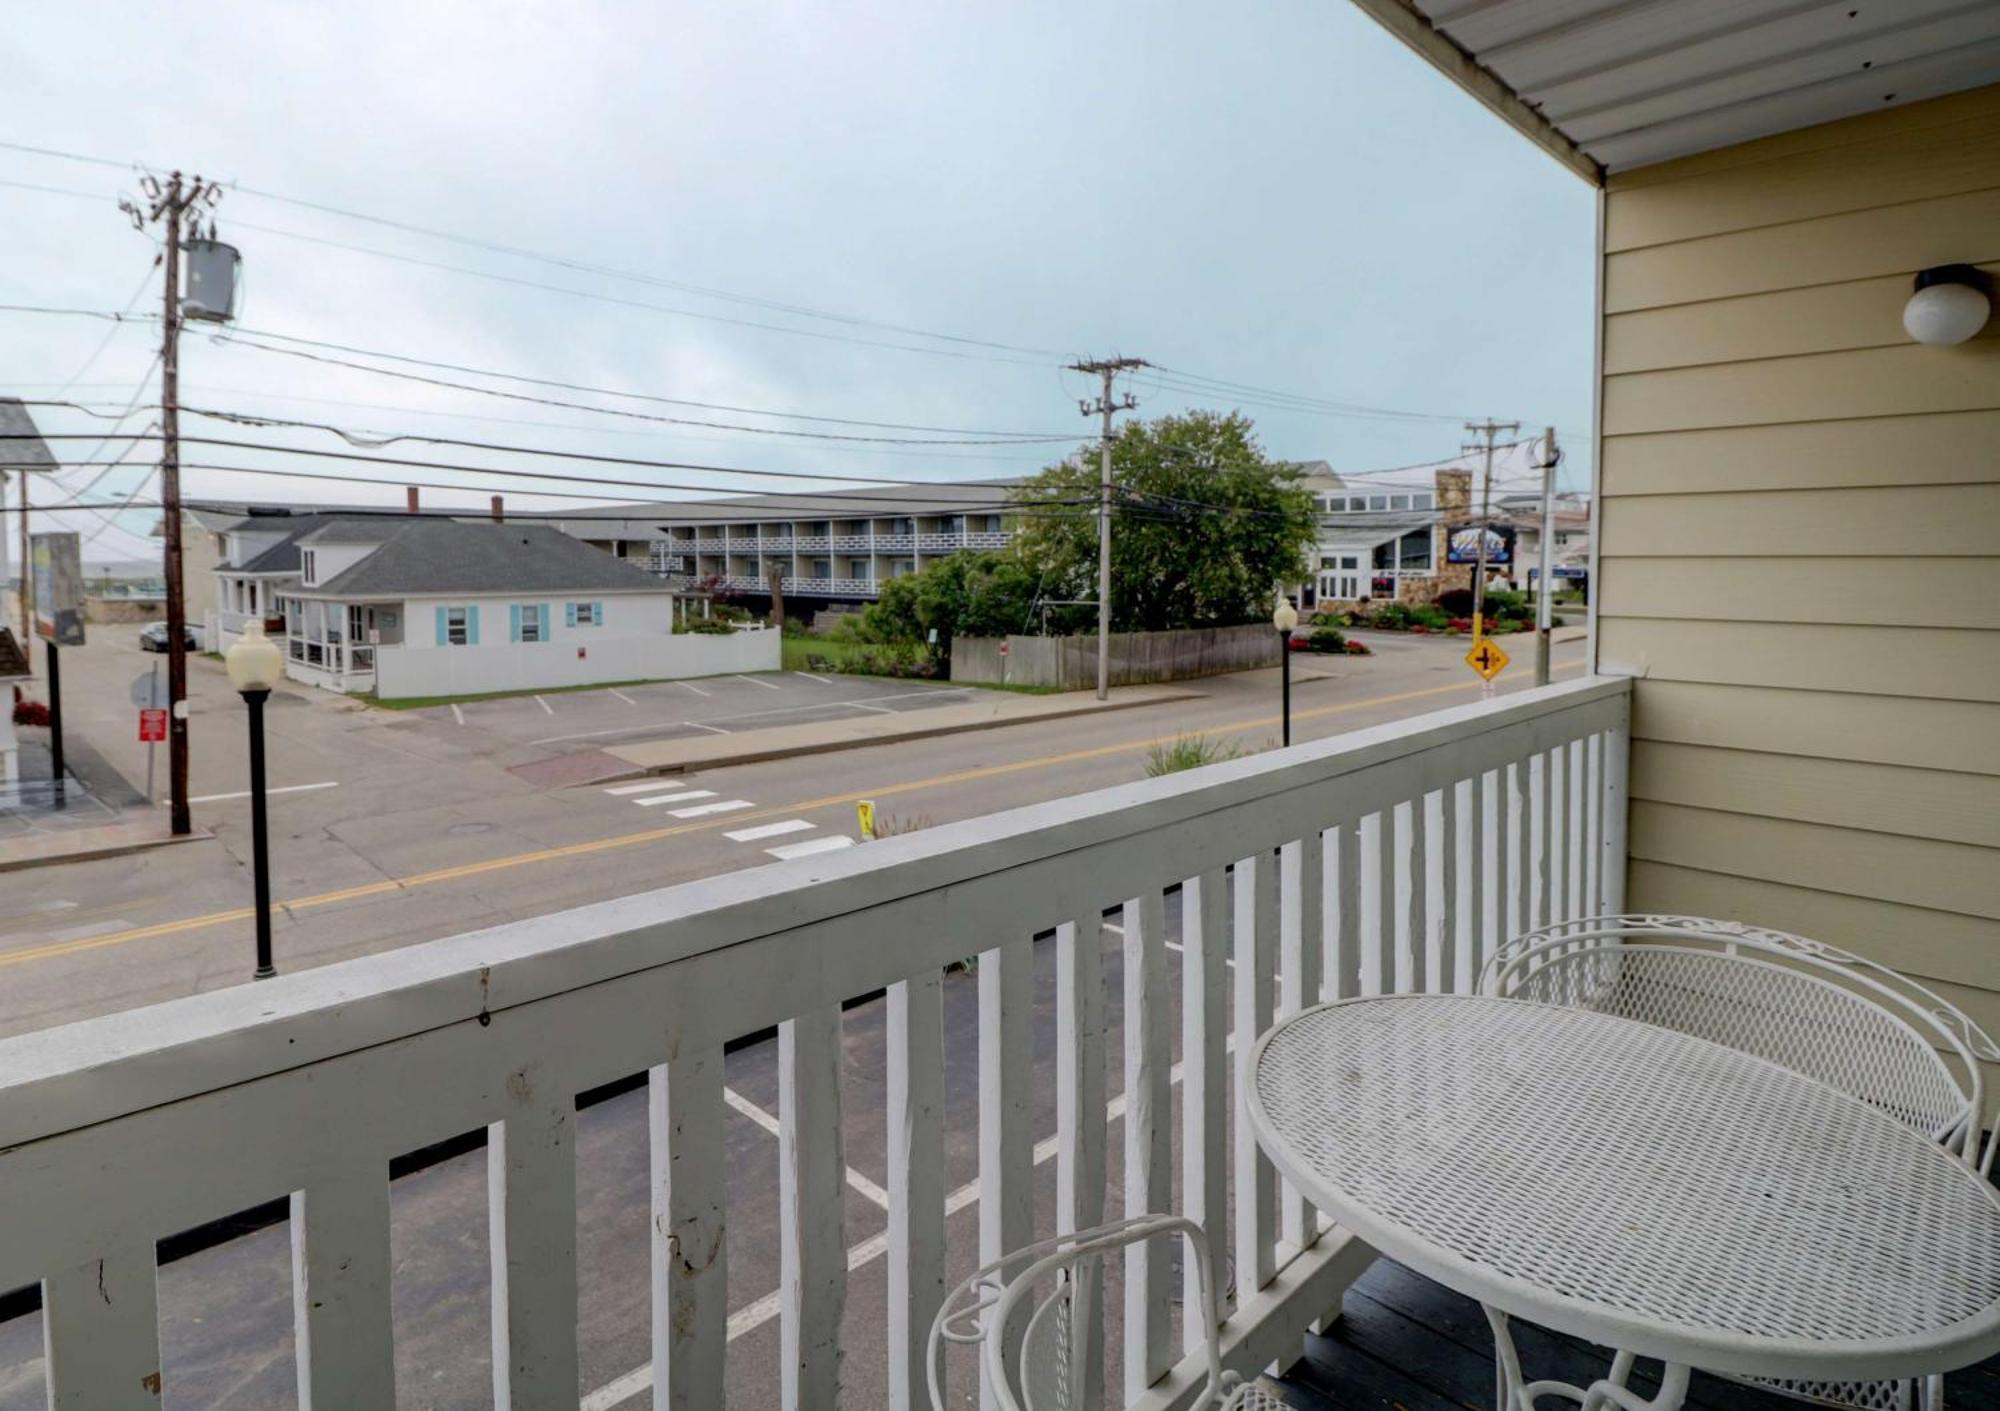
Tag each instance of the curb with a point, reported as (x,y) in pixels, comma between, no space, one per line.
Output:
(760,755)
(118,848)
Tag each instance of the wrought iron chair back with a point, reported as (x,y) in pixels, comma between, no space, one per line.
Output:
(1804,1005)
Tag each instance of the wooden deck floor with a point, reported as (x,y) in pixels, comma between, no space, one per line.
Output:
(1404,1343)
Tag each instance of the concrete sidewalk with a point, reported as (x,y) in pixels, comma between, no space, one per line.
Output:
(134,833)
(991,711)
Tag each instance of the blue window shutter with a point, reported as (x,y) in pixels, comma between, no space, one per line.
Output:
(513,622)
(472,625)
(542,618)
(569,612)
(444,632)
(597,614)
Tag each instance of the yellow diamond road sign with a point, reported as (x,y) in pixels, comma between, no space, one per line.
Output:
(1486,659)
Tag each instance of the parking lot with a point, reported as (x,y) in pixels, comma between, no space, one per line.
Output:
(566,721)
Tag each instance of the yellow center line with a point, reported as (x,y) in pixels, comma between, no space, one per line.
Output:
(732,820)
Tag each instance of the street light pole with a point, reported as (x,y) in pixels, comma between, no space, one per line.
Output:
(1285,617)
(254,665)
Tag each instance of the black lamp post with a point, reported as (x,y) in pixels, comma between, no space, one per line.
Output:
(1285,617)
(254,664)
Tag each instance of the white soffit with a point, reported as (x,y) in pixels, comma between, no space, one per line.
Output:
(1614,84)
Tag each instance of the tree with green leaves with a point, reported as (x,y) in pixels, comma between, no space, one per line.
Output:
(977,594)
(1204,525)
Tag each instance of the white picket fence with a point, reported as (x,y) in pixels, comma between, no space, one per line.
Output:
(1393,857)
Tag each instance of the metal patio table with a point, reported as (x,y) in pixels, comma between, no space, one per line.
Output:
(1649,1191)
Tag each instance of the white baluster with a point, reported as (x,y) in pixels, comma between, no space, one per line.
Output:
(101,1333)
(690,1263)
(916,1180)
(1149,1325)
(1080,1121)
(1617,761)
(1301,881)
(1540,842)
(1006,1133)
(531,1228)
(812,1254)
(1414,974)
(1454,944)
(345,1341)
(1576,843)
(1205,1101)
(1255,897)
(1347,918)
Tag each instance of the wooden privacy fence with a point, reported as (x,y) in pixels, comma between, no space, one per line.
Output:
(1070,663)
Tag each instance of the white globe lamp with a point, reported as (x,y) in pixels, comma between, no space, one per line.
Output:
(1950,305)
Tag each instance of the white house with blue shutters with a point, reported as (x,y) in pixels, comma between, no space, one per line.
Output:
(405,606)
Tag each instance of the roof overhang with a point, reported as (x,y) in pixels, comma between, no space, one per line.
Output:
(1607,85)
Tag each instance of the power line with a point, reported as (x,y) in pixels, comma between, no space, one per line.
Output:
(654,398)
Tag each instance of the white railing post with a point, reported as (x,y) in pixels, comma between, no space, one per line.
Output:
(690,1263)
(1347,949)
(1080,1122)
(1617,763)
(101,1333)
(916,1180)
(1148,1141)
(1006,1112)
(812,1175)
(1301,883)
(531,1227)
(1256,908)
(1454,946)
(1205,1104)
(1413,969)
(345,1340)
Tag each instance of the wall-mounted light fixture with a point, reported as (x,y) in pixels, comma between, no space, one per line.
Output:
(1949,306)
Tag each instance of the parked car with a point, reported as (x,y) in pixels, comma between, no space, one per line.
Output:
(153,637)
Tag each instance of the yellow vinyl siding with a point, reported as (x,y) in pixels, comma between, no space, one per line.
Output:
(1798,538)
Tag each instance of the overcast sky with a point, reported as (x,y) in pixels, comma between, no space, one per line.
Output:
(1276,195)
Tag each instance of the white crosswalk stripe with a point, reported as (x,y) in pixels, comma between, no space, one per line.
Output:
(654,800)
(701,809)
(768,830)
(811,846)
(647,787)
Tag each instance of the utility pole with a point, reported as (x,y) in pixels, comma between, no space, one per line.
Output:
(26,596)
(1550,458)
(1105,406)
(170,202)
(1489,429)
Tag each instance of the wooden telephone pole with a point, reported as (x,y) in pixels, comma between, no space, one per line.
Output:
(170,202)
(1106,406)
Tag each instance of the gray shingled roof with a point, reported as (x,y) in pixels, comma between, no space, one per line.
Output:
(283,556)
(427,556)
(30,452)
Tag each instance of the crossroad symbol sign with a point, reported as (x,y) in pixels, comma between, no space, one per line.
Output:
(1486,659)
(864,815)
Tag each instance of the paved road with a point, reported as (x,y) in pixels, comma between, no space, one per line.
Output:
(429,832)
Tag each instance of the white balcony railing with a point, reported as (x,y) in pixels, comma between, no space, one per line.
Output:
(1393,857)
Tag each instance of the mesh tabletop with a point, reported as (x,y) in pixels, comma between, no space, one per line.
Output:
(1634,1185)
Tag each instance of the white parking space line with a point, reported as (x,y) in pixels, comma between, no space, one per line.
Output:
(457,714)
(755,682)
(769,830)
(692,687)
(865,705)
(811,845)
(621,695)
(866,1188)
(712,729)
(545,705)
(810,677)
(685,797)
(287,789)
(647,787)
(703,809)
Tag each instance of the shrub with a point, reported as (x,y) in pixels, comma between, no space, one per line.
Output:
(1456,601)
(1189,752)
(1327,639)
(1507,603)
(709,627)
(30,712)
(1391,617)
(1431,616)
(1355,649)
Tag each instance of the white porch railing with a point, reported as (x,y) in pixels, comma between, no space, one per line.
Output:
(1392,857)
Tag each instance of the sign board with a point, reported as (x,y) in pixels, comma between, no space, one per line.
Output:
(1463,544)
(864,815)
(58,570)
(1486,659)
(149,691)
(152,726)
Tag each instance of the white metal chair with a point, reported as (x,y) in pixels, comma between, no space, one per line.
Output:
(1804,1005)
(1049,1281)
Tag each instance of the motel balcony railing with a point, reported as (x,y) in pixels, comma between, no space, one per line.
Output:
(1393,857)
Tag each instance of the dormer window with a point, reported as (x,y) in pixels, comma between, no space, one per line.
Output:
(308,573)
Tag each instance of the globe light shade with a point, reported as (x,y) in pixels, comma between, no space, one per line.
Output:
(253,661)
(1284,617)
(1949,306)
